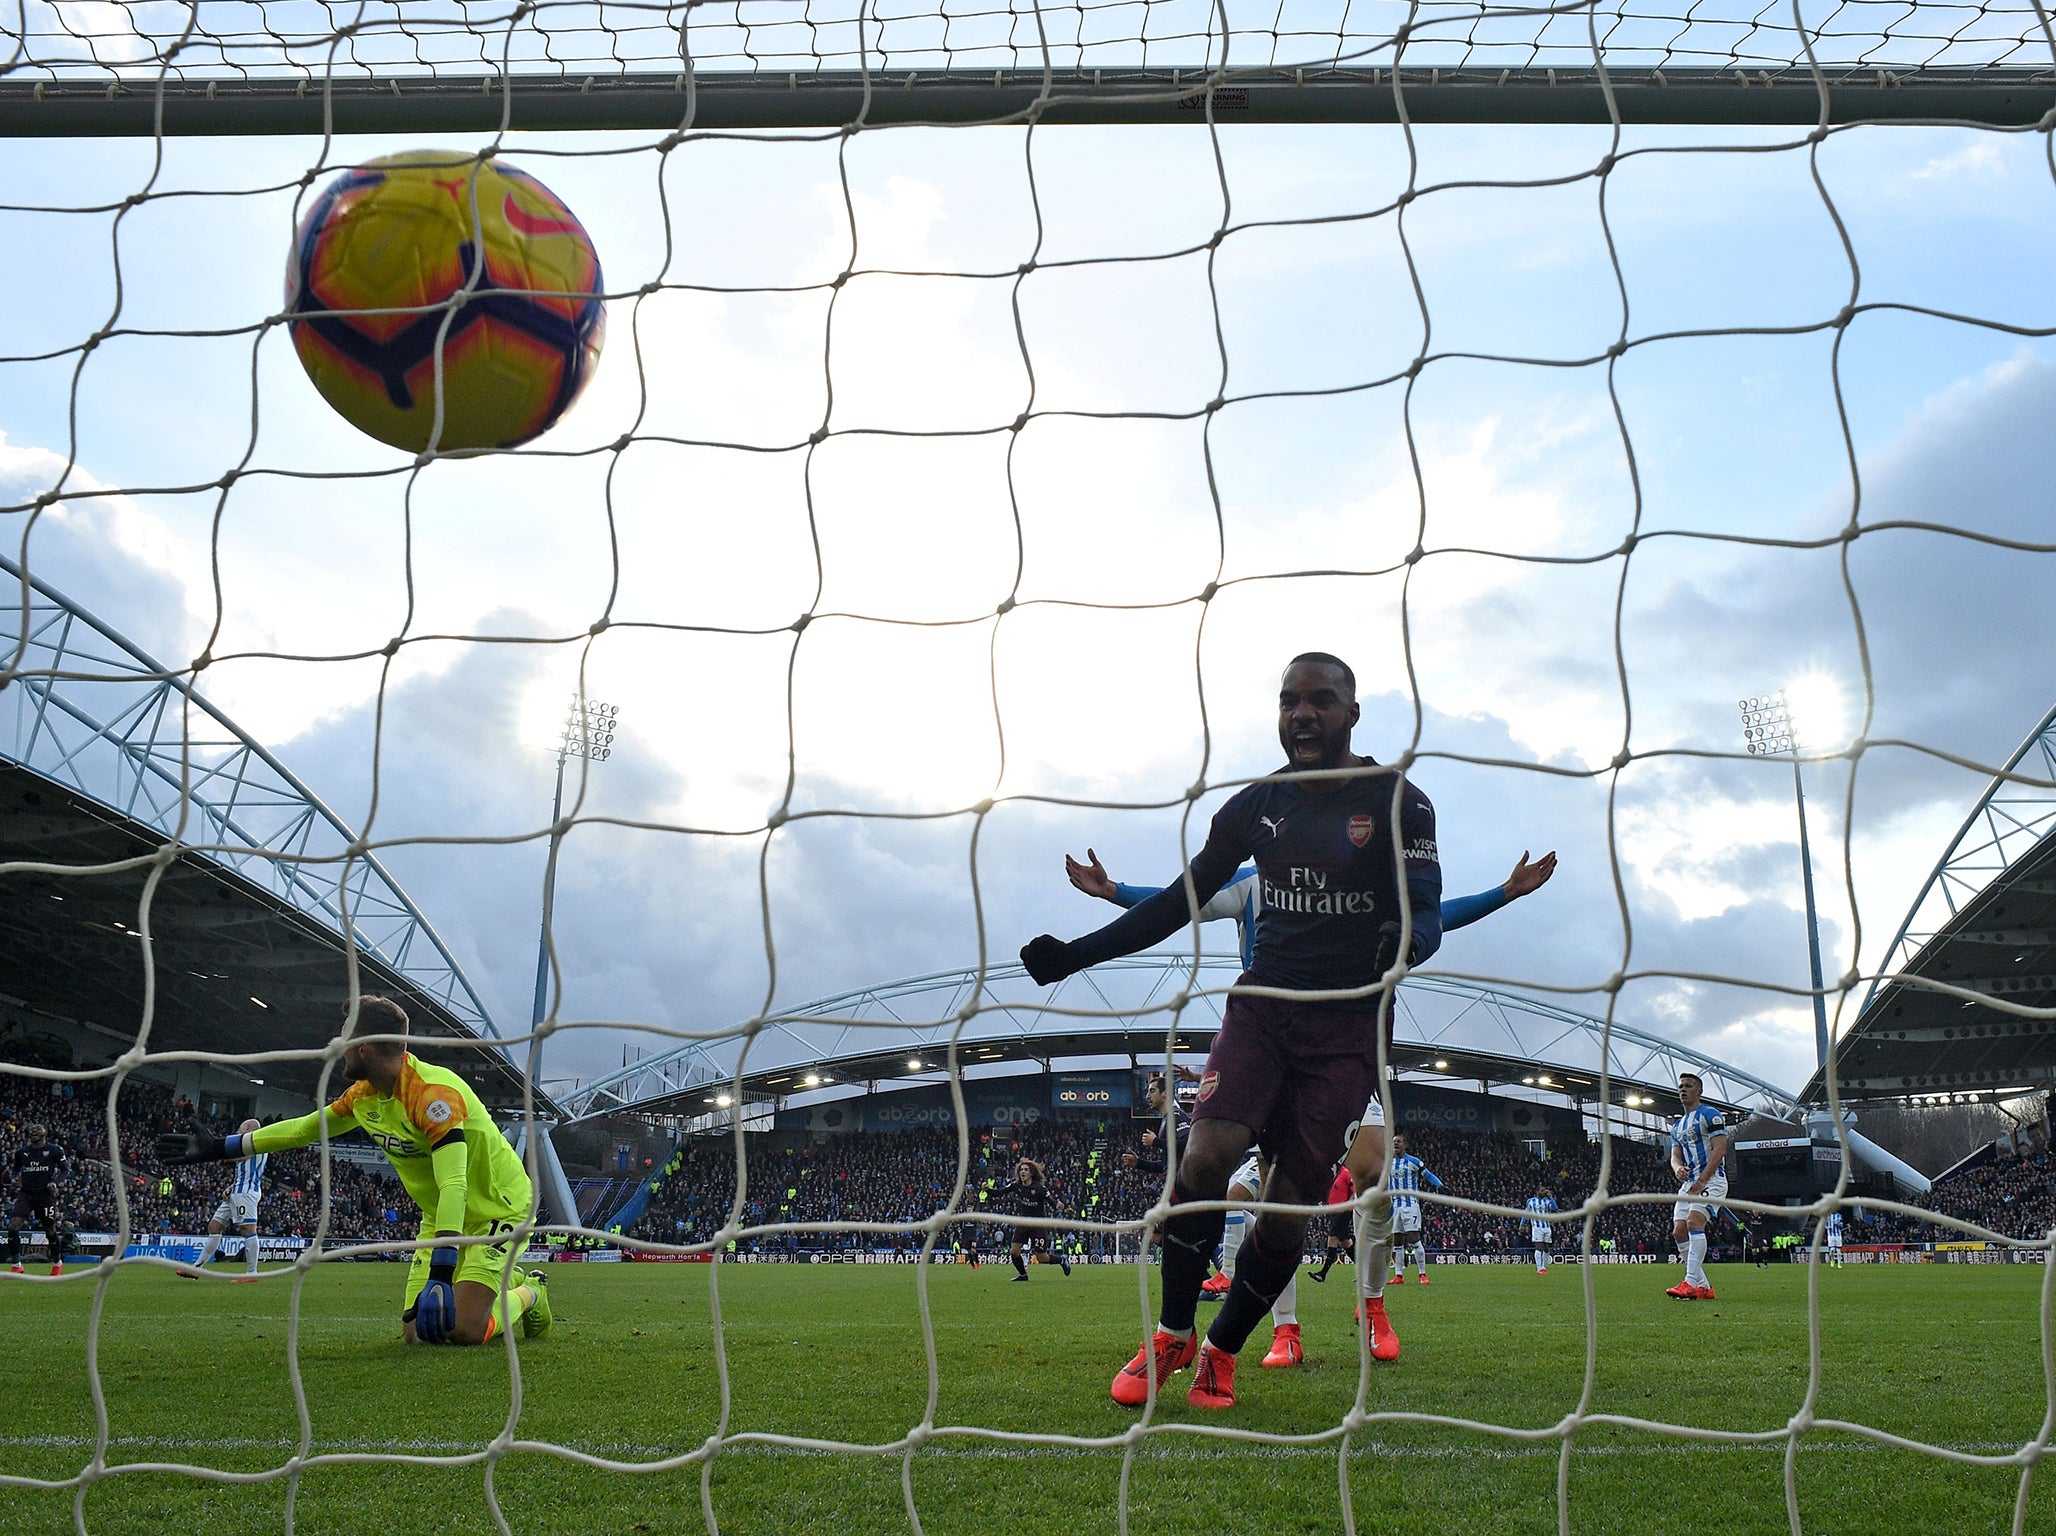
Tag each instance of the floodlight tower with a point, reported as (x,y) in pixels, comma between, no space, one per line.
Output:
(588,736)
(1768,730)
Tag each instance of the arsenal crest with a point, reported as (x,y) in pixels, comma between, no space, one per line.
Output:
(1359,830)
(1208,1082)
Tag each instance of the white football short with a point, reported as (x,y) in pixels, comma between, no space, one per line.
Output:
(1247,1175)
(1374,1113)
(1834,1240)
(1541,1234)
(237,1211)
(1716,1190)
(1408,1228)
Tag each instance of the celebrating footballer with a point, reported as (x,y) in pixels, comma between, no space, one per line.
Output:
(1332,834)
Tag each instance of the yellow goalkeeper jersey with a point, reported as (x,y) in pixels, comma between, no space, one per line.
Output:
(440,1140)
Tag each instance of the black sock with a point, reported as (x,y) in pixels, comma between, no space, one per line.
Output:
(1020,1266)
(14,1245)
(1260,1277)
(1328,1262)
(1189,1243)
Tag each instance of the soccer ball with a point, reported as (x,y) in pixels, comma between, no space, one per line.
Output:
(428,265)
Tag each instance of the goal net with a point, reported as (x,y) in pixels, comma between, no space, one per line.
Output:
(992,399)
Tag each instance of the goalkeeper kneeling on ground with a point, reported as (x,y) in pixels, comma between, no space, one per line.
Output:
(452,1159)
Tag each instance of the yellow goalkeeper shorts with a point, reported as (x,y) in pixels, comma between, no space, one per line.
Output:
(480,1263)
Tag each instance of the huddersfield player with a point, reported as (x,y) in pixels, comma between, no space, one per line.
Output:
(1333,835)
(38,1180)
(1029,1195)
(450,1157)
(238,1207)
(1245,1187)
(1407,1173)
(1831,1236)
(1698,1148)
(1541,1230)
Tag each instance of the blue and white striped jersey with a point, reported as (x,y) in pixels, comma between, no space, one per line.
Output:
(1833,1229)
(1538,1207)
(1407,1173)
(1692,1136)
(249,1176)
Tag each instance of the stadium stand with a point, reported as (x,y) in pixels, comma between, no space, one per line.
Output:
(367,1203)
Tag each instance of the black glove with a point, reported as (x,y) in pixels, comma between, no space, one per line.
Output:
(191,1147)
(1388,947)
(1047,959)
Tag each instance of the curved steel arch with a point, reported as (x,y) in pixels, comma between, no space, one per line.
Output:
(2009,821)
(136,737)
(1121,1006)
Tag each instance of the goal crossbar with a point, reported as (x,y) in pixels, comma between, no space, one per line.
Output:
(2007,96)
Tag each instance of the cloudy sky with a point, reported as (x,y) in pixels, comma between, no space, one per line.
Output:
(684,502)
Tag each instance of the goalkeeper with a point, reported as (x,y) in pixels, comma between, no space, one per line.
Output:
(452,1159)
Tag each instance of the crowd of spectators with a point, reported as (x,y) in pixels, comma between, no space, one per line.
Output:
(906,1177)
(366,1202)
(2012,1196)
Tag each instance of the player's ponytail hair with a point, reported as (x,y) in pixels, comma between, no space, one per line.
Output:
(380,1016)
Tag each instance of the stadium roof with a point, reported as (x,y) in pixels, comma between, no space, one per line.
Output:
(1979,941)
(1446,1030)
(112,763)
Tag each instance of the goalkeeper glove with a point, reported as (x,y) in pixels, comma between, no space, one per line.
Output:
(196,1147)
(435,1310)
(1047,959)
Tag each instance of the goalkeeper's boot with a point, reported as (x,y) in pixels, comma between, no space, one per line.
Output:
(1398,1279)
(1216,1286)
(1173,1354)
(1702,1293)
(1684,1290)
(1285,1346)
(1384,1342)
(57,1268)
(16,1269)
(1213,1380)
(535,1322)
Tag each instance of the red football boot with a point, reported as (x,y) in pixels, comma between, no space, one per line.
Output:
(1217,1286)
(1684,1290)
(1285,1346)
(1384,1342)
(1173,1354)
(1213,1382)
(1702,1293)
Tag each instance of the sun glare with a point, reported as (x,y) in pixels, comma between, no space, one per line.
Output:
(1820,713)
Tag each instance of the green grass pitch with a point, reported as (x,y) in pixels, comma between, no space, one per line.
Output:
(195,1373)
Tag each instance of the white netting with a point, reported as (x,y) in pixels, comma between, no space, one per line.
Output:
(905,441)
(571,38)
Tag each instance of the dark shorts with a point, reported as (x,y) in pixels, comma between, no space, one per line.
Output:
(1036,1238)
(34,1204)
(1299,1075)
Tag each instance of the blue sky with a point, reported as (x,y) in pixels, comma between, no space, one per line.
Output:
(1126,494)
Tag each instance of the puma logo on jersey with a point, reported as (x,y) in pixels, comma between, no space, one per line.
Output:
(1277,827)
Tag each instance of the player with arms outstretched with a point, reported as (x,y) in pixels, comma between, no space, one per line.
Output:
(1541,1230)
(1698,1148)
(451,1159)
(1350,885)
(1407,1173)
(38,1181)
(1030,1195)
(239,1207)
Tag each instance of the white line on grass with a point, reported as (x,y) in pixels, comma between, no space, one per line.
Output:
(1166,1449)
